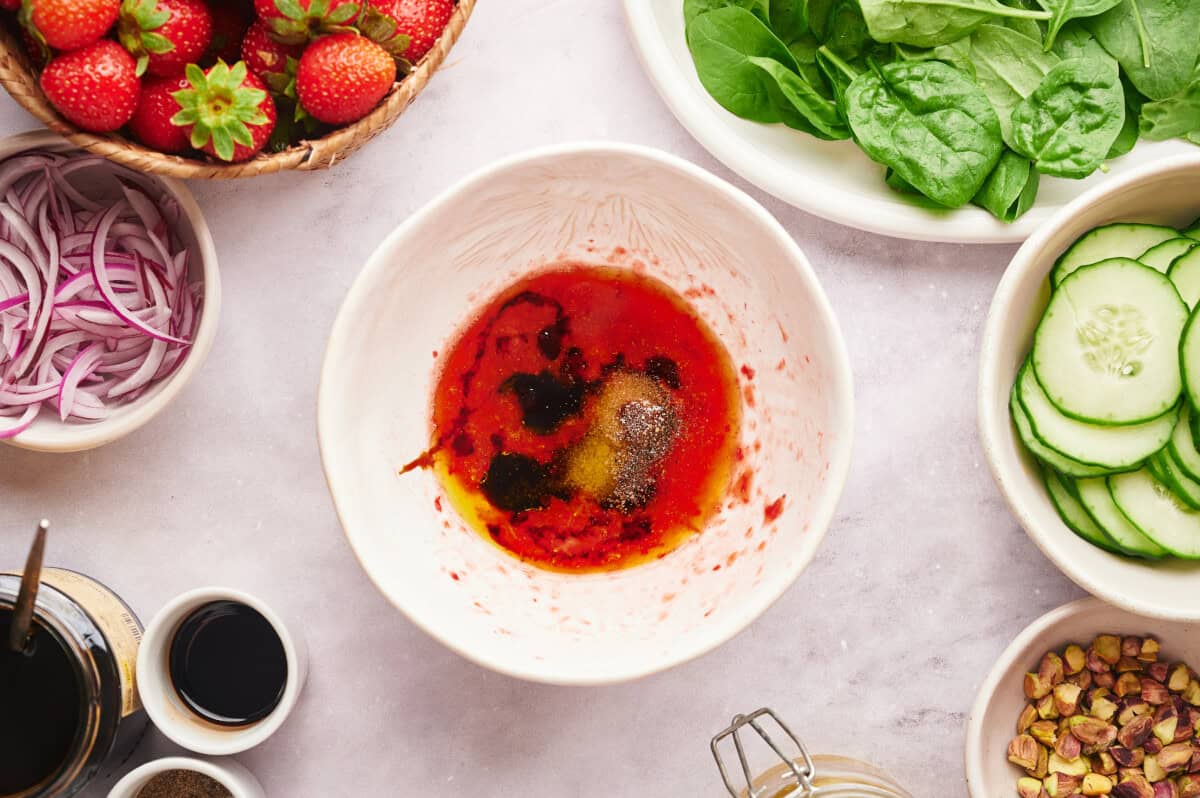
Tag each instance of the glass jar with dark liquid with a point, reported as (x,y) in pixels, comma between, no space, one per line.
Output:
(69,702)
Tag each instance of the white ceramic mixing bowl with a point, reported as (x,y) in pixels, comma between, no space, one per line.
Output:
(594,203)
(1165,192)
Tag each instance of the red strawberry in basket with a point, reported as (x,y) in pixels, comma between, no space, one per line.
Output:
(151,123)
(297,21)
(96,87)
(69,24)
(165,35)
(226,110)
(421,21)
(264,55)
(342,77)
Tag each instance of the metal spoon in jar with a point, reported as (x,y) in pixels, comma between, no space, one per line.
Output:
(22,621)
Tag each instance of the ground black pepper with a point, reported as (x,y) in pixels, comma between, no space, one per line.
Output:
(183,784)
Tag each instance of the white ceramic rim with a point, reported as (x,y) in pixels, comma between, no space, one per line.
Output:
(973,751)
(154,683)
(814,196)
(86,436)
(840,378)
(223,772)
(994,420)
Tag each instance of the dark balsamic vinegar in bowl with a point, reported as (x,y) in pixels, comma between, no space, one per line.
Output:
(228,664)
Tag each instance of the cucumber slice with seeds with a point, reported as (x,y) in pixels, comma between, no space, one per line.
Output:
(1157,512)
(1121,240)
(1170,474)
(1072,513)
(1111,447)
(1161,256)
(1189,359)
(1098,501)
(1182,446)
(1063,465)
(1106,349)
(1185,273)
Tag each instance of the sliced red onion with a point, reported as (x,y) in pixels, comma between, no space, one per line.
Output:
(95,303)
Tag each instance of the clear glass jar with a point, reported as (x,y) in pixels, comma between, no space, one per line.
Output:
(100,636)
(798,775)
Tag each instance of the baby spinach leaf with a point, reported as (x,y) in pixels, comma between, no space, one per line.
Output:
(1011,188)
(694,8)
(812,112)
(910,194)
(722,43)
(1175,116)
(1076,41)
(804,50)
(1157,42)
(838,76)
(788,18)
(818,17)
(1032,28)
(1069,123)
(928,23)
(1062,11)
(930,123)
(1127,139)
(1008,67)
(957,54)
(845,30)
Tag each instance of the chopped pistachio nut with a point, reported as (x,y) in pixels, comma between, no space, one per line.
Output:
(1028,717)
(1108,648)
(1109,720)
(1096,784)
(1028,787)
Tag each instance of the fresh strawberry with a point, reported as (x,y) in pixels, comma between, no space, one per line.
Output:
(69,24)
(297,21)
(165,35)
(96,87)
(151,123)
(264,55)
(421,21)
(342,77)
(226,110)
(230,21)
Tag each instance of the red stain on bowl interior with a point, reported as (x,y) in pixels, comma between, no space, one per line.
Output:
(749,372)
(773,510)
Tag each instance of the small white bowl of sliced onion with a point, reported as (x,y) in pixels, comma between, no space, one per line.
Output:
(109,295)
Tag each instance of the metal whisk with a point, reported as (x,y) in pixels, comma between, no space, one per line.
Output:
(799,762)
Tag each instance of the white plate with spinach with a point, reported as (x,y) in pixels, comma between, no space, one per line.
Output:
(968,121)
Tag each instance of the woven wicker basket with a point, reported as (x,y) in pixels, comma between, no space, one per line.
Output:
(19,78)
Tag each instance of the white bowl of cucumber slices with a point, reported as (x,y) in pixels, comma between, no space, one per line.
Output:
(1089,388)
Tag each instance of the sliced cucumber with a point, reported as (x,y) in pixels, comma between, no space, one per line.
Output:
(1098,501)
(1063,465)
(1121,240)
(1115,448)
(1160,256)
(1105,350)
(1155,467)
(1189,359)
(1170,474)
(1072,513)
(1157,512)
(1182,446)
(1193,230)
(1185,273)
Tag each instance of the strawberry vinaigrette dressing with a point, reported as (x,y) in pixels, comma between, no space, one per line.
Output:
(585,419)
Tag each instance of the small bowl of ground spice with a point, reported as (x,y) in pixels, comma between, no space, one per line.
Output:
(189,777)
